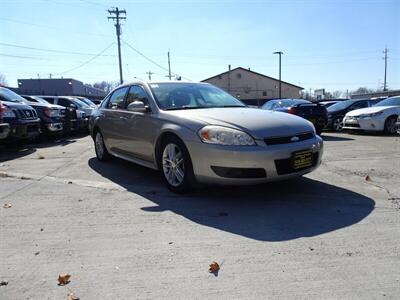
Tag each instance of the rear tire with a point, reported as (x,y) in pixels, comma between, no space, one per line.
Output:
(100,148)
(175,165)
(390,125)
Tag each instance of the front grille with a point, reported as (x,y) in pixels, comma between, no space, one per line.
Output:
(285,166)
(27,114)
(239,172)
(289,139)
(355,125)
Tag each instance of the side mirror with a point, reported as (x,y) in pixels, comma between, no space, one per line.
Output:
(72,105)
(137,106)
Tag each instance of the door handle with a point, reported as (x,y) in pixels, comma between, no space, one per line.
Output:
(123,118)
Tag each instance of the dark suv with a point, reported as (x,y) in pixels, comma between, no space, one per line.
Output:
(22,119)
(4,127)
(337,111)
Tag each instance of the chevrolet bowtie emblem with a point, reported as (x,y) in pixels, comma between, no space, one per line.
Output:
(294,139)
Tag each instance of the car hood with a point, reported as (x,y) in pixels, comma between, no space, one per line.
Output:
(43,105)
(258,122)
(16,105)
(369,110)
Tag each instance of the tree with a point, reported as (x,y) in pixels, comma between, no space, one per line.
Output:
(363,90)
(3,79)
(106,86)
(336,94)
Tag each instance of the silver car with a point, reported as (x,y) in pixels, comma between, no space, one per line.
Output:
(196,132)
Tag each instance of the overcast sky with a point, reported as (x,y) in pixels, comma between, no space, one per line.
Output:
(326,44)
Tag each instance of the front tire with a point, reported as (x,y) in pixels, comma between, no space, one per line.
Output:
(390,125)
(175,165)
(337,124)
(100,148)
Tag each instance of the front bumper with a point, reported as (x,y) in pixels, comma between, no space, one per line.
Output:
(368,124)
(4,130)
(54,128)
(24,130)
(260,159)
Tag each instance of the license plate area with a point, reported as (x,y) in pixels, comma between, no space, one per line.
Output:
(302,159)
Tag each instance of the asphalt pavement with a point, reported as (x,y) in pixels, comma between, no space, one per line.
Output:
(332,234)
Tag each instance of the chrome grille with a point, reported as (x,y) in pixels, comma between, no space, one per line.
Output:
(289,139)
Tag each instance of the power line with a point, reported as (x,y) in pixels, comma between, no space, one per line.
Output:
(88,61)
(19,56)
(50,50)
(152,61)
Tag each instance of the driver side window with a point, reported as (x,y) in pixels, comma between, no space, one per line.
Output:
(358,105)
(136,93)
(117,99)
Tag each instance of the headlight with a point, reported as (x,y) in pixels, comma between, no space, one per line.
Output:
(225,136)
(6,112)
(371,115)
(51,113)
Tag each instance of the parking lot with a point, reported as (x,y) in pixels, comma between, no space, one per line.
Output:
(122,235)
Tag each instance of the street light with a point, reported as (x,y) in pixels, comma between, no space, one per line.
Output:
(280,81)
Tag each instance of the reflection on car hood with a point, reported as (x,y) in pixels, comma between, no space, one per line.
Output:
(369,110)
(36,104)
(258,122)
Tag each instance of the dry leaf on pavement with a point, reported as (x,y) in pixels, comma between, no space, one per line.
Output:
(7,205)
(71,296)
(367,178)
(214,267)
(63,279)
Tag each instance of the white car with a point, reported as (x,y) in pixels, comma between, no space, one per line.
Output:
(380,117)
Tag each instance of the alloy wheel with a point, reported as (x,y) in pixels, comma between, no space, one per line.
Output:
(391,125)
(338,124)
(173,165)
(99,144)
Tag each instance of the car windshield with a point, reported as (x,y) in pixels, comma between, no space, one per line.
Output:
(8,95)
(80,103)
(87,101)
(173,96)
(340,105)
(393,101)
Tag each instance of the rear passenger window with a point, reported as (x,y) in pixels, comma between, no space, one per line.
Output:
(49,99)
(117,99)
(358,105)
(64,102)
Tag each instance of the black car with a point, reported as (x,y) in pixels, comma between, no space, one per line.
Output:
(4,127)
(398,125)
(23,120)
(337,111)
(313,112)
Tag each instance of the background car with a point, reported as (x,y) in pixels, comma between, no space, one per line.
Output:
(398,124)
(313,112)
(52,116)
(328,103)
(380,117)
(195,132)
(23,120)
(337,111)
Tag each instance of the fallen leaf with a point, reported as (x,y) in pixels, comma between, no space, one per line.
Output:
(71,296)
(214,267)
(40,157)
(3,283)
(63,279)
(367,178)
(69,182)
(37,253)
(7,205)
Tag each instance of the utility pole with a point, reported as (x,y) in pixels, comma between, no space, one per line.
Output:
(385,58)
(169,67)
(229,78)
(115,11)
(149,73)
(280,77)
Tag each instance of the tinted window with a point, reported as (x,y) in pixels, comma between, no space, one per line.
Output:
(117,98)
(64,102)
(136,93)
(361,104)
(49,99)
